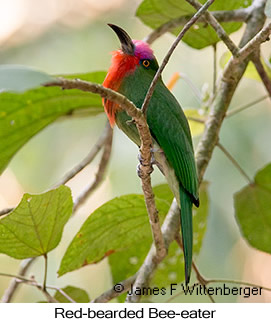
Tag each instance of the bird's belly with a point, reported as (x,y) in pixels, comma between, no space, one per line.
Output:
(168,172)
(123,121)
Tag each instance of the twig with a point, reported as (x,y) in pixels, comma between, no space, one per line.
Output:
(88,159)
(170,51)
(246,106)
(261,37)
(238,15)
(22,279)
(214,69)
(217,27)
(234,162)
(101,170)
(192,86)
(10,291)
(45,271)
(113,292)
(262,72)
(196,119)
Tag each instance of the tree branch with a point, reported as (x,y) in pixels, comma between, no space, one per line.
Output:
(246,106)
(217,27)
(170,52)
(234,162)
(238,15)
(262,72)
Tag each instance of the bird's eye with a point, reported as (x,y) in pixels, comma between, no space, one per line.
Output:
(146,63)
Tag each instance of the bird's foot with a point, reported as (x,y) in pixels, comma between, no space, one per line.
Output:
(139,170)
(140,159)
(141,163)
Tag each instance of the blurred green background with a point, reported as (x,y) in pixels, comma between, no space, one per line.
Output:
(69,36)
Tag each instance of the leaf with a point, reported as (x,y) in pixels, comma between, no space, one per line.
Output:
(252,210)
(24,115)
(126,263)
(251,71)
(195,127)
(154,13)
(35,227)
(18,78)
(113,227)
(267,9)
(77,294)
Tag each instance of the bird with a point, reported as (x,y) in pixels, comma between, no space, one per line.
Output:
(132,70)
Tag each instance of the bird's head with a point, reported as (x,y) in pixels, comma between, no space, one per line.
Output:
(132,55)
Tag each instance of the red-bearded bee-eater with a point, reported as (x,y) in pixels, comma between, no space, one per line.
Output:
(132,70)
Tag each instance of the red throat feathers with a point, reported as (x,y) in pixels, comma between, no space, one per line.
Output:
(122,64)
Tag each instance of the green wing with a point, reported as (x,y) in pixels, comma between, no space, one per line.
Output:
(170,129)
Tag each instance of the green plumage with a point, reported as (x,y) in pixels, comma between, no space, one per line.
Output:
(170,131)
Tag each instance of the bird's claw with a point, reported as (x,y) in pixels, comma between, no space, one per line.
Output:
(140,159)
(139,171)
(141,163)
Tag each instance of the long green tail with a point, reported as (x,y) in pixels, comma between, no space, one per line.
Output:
(187,231)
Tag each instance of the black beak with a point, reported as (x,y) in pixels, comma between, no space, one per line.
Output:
(127,44)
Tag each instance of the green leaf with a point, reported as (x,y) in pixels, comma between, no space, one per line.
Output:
(267,9)
(24,115)
(126,262)
(251,71)
(113,227)
(195,127)
(77,294)
(252,210)
(35,226)
(154,13)
(18,78)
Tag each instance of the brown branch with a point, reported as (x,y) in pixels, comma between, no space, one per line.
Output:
(170,52)
(254,44)
(217,27)
(234,162)
(262,72)
(238,15)
(246,106)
